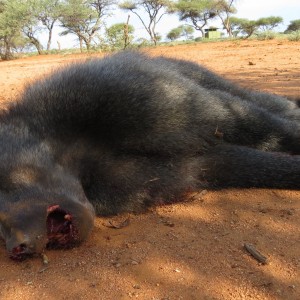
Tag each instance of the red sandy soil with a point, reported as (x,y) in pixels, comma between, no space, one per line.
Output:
(191,250)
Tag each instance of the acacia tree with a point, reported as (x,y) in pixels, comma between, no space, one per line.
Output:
(174,34)
(269,23)
(48,13)
(182,30)
(31,30)
(198,12)
(245,26)
(187,31)
(155,10)
(118,37)
(12,15)
(293,26)
(224,9)
(83,18)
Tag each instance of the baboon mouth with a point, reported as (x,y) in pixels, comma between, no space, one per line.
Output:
(20,253)
(61,230)
(61,233)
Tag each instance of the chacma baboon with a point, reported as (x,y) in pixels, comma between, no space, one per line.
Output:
(128,131)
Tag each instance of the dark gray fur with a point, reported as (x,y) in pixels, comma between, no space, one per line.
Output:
(273,103)
(129,131)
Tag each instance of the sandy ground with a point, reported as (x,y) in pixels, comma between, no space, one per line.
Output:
(191,250)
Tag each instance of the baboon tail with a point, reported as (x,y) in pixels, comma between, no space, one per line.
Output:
(233,166)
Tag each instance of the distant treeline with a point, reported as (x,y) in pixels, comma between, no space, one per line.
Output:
(22,21)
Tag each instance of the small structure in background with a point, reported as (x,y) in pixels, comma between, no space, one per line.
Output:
(212,33)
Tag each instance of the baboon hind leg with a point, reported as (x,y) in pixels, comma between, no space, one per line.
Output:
(238,166)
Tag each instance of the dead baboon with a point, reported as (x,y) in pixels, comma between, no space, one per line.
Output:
(128,131)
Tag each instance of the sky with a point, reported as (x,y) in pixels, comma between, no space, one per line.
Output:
(250,9)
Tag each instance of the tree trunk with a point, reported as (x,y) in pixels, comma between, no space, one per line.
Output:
(88,45)
(87,42)
(154,40)
(202,31)
(8,55)
(80,44)
(37,45)
(152,36)
(39,49)
(126,35)
(228,29)
(50,37)
(227,26)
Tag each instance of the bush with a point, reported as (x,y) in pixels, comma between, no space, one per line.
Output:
(294,36)
(266,35)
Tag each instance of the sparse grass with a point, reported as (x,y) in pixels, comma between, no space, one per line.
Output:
(268,35)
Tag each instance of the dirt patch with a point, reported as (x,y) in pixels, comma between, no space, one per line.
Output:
(191,250)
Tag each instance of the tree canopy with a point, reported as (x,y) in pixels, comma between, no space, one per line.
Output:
(116,35)
(154,9)
(49,13)
(244,26)
(182,30)
(225,9)
(293,26)
(269,23)
(83,18)
(12,18)
(197,12)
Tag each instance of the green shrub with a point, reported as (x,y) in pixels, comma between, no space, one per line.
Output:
(266,35)
(294,36)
